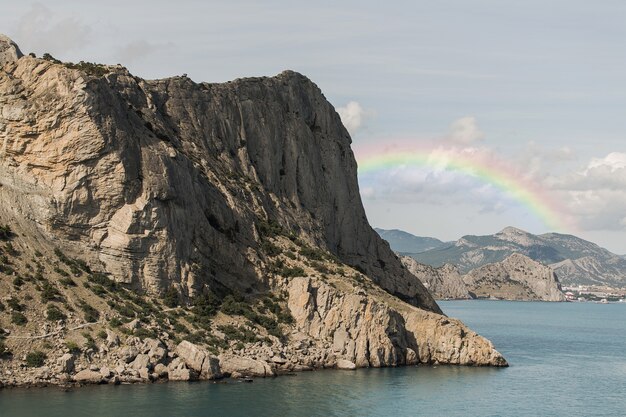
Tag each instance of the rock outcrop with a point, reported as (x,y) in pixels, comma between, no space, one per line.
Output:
(235,205)
(516,278)
(9,51)
(443,283)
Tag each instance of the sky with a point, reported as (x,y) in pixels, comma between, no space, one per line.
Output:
(508,113)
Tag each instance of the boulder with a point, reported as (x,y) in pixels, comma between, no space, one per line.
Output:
(180,375)
(66,362)
(128,353)
(346,365)
(237,366)
(199,360)
(87,376)
(142,361)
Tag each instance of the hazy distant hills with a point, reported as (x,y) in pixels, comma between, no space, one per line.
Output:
(575,260)
(404,242)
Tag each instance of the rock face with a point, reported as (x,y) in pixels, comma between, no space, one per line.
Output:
(164,182)
(444,282)
(374,331)
(516,278)
(9,51)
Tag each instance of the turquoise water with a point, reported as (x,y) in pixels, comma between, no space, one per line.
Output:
(566,359)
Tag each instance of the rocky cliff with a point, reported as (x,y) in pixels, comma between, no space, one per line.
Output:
(443,283)
(210,198)
(516,278)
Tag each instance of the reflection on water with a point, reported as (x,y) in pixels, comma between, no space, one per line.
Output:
(561,356)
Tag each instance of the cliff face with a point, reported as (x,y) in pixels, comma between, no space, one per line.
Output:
(224,189)
(444,282)
(165,181)
(516,278)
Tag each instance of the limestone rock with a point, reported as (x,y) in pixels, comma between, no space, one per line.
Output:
(66,362)
(9,51)
(180,375)
(444,282)
(370,333)
(346,365)
(516,278)
(244,367)
(128,353)
(199,360)
(87,376)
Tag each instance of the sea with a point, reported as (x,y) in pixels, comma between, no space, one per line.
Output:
(566,359)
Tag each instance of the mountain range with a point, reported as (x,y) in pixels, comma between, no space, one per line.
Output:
(576,261)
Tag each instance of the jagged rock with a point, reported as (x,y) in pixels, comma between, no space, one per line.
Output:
(346,365)
(66,362)
(112,339)
(105,372)
(156,350)
(88,377)
(9,51)
(516,278)
(379,334)
(160,370)
(180,375)
(128,353)
(444,282)
(199,360)
(238,367)
(142,361)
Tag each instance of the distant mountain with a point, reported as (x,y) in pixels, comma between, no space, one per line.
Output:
(404,242)
(576,261)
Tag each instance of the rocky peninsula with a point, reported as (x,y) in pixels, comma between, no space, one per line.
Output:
(165,229)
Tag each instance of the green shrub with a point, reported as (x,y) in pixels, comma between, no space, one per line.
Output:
(18,282)
(102,334)
(288,272)
(5,232)
(91,314)
(242,334)
(49,292)
(171,297)
(270,249)
(4,350)
(115,322)
(72,347)
(143,333)
(67,282)
(53,313)
(35,359)
(18,318)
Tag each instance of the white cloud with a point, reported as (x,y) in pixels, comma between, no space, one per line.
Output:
(39,30)
(596,194)
(465,131)
(135,50)
(352,116)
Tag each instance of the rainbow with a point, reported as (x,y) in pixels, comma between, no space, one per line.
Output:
(483,166)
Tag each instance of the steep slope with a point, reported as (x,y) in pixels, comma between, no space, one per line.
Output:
(404,242)
(236,204)
(444,282)
(576,261)
(516,278)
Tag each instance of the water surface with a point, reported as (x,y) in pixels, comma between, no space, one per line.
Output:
(566,359)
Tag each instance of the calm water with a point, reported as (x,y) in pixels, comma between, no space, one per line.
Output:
(566,359)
